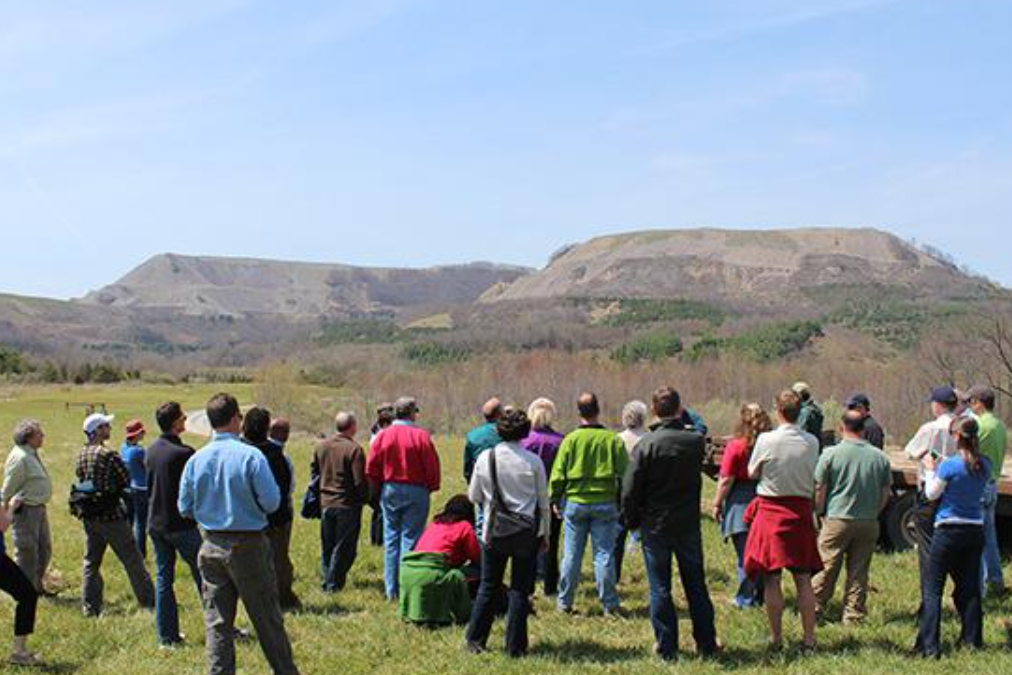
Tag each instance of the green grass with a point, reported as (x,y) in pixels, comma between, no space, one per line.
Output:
(358,632)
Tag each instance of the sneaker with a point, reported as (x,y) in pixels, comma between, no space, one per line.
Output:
(562,609)
(24,659)
(614,613)
(173,644)
(475,648)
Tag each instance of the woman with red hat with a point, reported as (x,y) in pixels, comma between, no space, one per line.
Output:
(133,456)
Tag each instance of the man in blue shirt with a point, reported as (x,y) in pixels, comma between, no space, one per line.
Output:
(228,488)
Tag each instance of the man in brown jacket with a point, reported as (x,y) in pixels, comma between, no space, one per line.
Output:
(340,463)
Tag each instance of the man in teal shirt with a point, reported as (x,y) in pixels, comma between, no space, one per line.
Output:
(482,438)
(993,443)
(852,487)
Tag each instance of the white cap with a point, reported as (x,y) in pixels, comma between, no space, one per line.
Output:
(95,420)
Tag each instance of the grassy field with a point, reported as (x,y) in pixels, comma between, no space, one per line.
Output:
(358,632)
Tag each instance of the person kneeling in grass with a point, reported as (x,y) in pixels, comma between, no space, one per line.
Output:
(439,578)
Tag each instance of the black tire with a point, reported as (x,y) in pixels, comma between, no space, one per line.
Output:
(898,522)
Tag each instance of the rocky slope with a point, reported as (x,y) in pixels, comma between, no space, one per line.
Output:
(741,267)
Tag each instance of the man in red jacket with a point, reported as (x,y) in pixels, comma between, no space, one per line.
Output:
(404,467)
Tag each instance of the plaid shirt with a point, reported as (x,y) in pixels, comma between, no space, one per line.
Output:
(107,472)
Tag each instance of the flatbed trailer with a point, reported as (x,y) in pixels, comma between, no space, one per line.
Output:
(898,517)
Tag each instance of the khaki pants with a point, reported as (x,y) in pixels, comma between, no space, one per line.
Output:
(33,544)
(850,542)
(117,535)
(280,538)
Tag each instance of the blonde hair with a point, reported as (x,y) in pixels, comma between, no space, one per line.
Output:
(752,421)
(541,413)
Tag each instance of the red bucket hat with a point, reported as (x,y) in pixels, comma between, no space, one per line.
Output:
(134,428)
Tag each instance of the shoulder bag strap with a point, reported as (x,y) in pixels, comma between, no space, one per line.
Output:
(496,495)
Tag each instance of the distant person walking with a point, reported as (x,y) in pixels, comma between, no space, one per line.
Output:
(104,479)
(853,481)
(510,485)
(132,452)
(873,432)
(544,441)
(16,584)
(736,491)
(958,483)
(339,461)
(993,445)
(585,483)
(27,479)
(171,533)
(634,427)
(404,467)
(229,489)
(934,441)
(661,497)
(483,437)
(269,437)
(782,521)
(811,418)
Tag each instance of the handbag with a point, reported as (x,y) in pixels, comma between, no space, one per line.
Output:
(311,501)
(508,531)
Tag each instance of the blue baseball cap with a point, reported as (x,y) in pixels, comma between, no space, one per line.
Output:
(858,400)
(946,395)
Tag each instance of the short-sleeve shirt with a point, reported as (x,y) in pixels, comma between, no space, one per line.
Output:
(854,474)
(735,461)
(963,491)
(783,461)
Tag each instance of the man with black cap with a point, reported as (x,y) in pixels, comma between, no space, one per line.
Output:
(933,439)
(873,432)
(993,444)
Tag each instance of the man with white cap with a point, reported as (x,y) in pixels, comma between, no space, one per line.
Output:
(103,478)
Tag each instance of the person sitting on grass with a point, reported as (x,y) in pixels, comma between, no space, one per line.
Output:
(782,519)
(14,582)
(439,578)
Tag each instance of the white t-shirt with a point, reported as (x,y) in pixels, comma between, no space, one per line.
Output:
(522,484)
(784,462)
(933,438)
(631,437)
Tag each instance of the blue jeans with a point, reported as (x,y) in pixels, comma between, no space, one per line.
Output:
(750,592)
(991,563)
(688,551)
(137,514)
(405,512)
(339,531)
(600,521)
(167,544)
(955,552)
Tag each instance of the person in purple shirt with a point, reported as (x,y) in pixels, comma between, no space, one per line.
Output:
(544,442)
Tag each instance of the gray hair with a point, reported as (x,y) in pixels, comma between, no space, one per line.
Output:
(405,407)
(541,413)
(345,420)
(25,429)
(634,415)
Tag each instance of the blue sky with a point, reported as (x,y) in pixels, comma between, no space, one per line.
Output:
(418,132)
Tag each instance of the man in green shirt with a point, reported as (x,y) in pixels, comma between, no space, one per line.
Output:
(25,476)
(993,443)
(852,487)
(585,486)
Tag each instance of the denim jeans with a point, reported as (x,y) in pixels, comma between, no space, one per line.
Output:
(687,549)
(405,511)
(600,522)
(991,563)
(185,543)
(493,570)
(339,531)
(750,592)
(137,514)
(955,552)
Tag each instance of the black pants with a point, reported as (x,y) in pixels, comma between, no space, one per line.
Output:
(376,527)
(955,551)
(618,555)
(14,583)
(548,561)
(924,530)
(493,570)
(339,531)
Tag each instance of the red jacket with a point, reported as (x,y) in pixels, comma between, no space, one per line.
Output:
(457,541)
(404,453)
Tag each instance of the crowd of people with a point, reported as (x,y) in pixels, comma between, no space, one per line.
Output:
(784,500)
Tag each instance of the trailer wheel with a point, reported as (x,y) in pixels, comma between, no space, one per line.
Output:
(898,522)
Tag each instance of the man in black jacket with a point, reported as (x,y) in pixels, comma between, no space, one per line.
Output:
(256,429)
(660,496)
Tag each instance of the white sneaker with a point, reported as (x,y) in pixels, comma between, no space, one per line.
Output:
(24,659)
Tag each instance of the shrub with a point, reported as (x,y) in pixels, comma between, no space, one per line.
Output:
(635,312)
(434,353)
(765,343)
(649,347)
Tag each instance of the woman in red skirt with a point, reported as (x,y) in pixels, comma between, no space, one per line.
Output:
(782,519)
